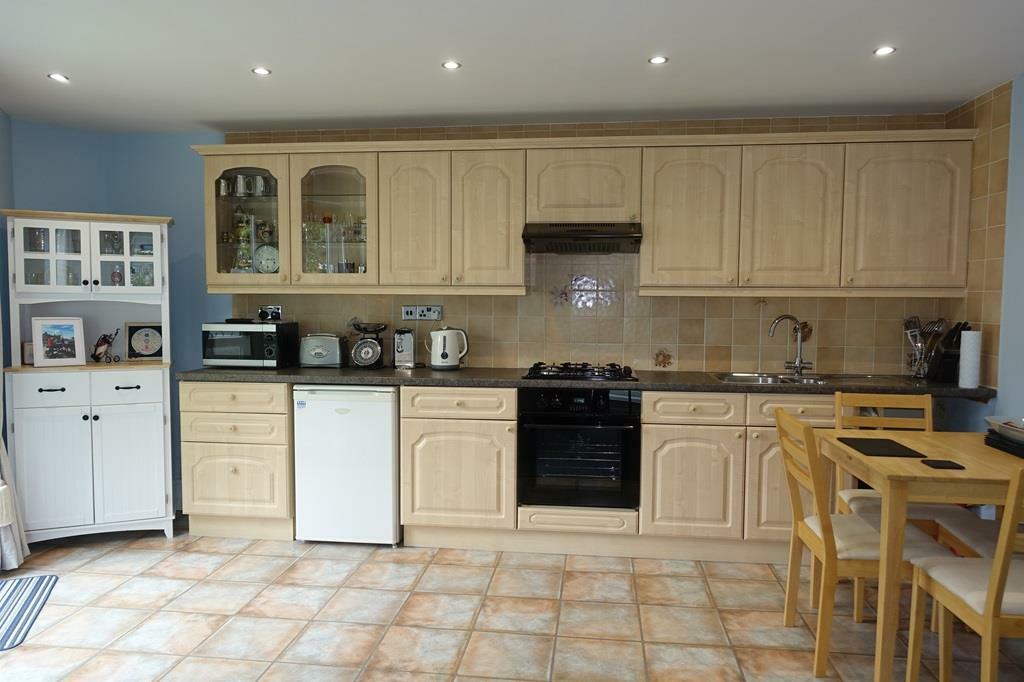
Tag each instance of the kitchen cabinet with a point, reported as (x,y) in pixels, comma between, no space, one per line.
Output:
(691,198)
(235,479)
(53,466)
(671,407)
(905,216)
(85,461)
(583,185)
(791,215)
(236,459)
(768,514)
(446,402)
(458,473)
(128,481)
(691,481)
(333,218)
(76,257)
(488,212)
(415,218)
(246,204)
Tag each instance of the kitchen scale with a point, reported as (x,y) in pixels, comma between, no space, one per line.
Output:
(368,350)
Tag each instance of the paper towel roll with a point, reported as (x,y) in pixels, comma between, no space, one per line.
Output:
(970,359)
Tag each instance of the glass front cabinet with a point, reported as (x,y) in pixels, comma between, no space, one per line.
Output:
(70,257)
(247,220)
(334,218)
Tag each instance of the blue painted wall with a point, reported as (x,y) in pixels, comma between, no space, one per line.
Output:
(6,201)
(66,169)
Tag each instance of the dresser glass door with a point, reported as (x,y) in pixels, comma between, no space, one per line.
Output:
(126,257)
(53,255)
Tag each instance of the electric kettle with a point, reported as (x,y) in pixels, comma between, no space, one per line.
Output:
(444,348)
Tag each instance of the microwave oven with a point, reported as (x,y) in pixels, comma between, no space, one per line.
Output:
(256,344)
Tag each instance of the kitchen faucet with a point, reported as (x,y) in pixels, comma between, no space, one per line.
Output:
(799,329)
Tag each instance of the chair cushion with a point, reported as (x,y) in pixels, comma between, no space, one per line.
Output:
(968,579)
(857,538)
(979,534)
(871,503)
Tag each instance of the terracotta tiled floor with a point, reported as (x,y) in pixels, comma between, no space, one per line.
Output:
(136,607)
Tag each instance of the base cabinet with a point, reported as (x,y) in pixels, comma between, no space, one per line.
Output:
(235,480)
(768,514)
(53,465)
(458,473)
(128,482)
(691,481)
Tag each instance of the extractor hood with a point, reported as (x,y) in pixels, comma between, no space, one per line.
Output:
(582,237)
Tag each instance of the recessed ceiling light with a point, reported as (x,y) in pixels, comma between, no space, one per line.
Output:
(59,77)
(451,65)
(884,51)
(658,59)
(261,71)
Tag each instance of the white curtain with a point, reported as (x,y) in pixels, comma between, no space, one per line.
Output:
(13,548)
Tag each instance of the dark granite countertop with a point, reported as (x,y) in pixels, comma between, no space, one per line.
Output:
(512,378)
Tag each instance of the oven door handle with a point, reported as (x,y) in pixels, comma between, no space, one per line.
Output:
(558,427)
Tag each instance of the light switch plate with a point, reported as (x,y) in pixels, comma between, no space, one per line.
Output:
(409,312)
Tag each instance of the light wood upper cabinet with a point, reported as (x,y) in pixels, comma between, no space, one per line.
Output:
(415,218)
(791,216)
(247,223)
(488,212)
(458,473)
(333,218)
(905,218)
(595,184)
(691,481)
(691,201)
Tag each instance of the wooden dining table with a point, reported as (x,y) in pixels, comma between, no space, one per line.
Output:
(983,480)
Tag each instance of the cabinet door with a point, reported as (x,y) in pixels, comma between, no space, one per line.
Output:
(223,479)
(691,481)
(458,473)
(791,217)
(415,218)
(488,209)
(51,256)
(601,185)
(128,462)
(768,514)
(126,258)
(691,198)
(905,215)
(247,229)
(53,466)
(334,218)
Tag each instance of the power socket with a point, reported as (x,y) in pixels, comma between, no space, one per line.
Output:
(421,312)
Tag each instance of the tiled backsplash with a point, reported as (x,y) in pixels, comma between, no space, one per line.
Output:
(588,309)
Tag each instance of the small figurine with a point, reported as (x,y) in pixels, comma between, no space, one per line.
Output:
(101,351)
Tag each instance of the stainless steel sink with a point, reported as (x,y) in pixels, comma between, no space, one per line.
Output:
(755,379)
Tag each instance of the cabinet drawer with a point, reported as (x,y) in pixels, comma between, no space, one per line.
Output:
(578,520)
(127,387)
(51,389)
(432,402)
(219,427)
(235,480)
(817,410)
(724,409)
(202,396)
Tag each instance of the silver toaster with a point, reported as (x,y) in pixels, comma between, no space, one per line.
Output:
(321,350)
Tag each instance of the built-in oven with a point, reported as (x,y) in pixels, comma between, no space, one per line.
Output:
(579,447)
(240,344)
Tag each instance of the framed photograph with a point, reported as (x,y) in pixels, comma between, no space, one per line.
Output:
(57,341)
(143,341)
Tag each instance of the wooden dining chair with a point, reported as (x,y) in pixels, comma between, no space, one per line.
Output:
(846,545)
(986,593)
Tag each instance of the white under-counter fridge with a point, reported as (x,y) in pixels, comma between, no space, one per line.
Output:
(346,463)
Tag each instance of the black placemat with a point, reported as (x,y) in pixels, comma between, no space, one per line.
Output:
(880,447)
(1000,442)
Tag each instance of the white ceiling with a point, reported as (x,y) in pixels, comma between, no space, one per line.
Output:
(184,65)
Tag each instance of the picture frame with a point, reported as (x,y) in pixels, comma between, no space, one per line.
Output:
(143,341)
(58,341)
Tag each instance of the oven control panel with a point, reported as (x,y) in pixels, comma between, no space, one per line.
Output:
(583,401)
